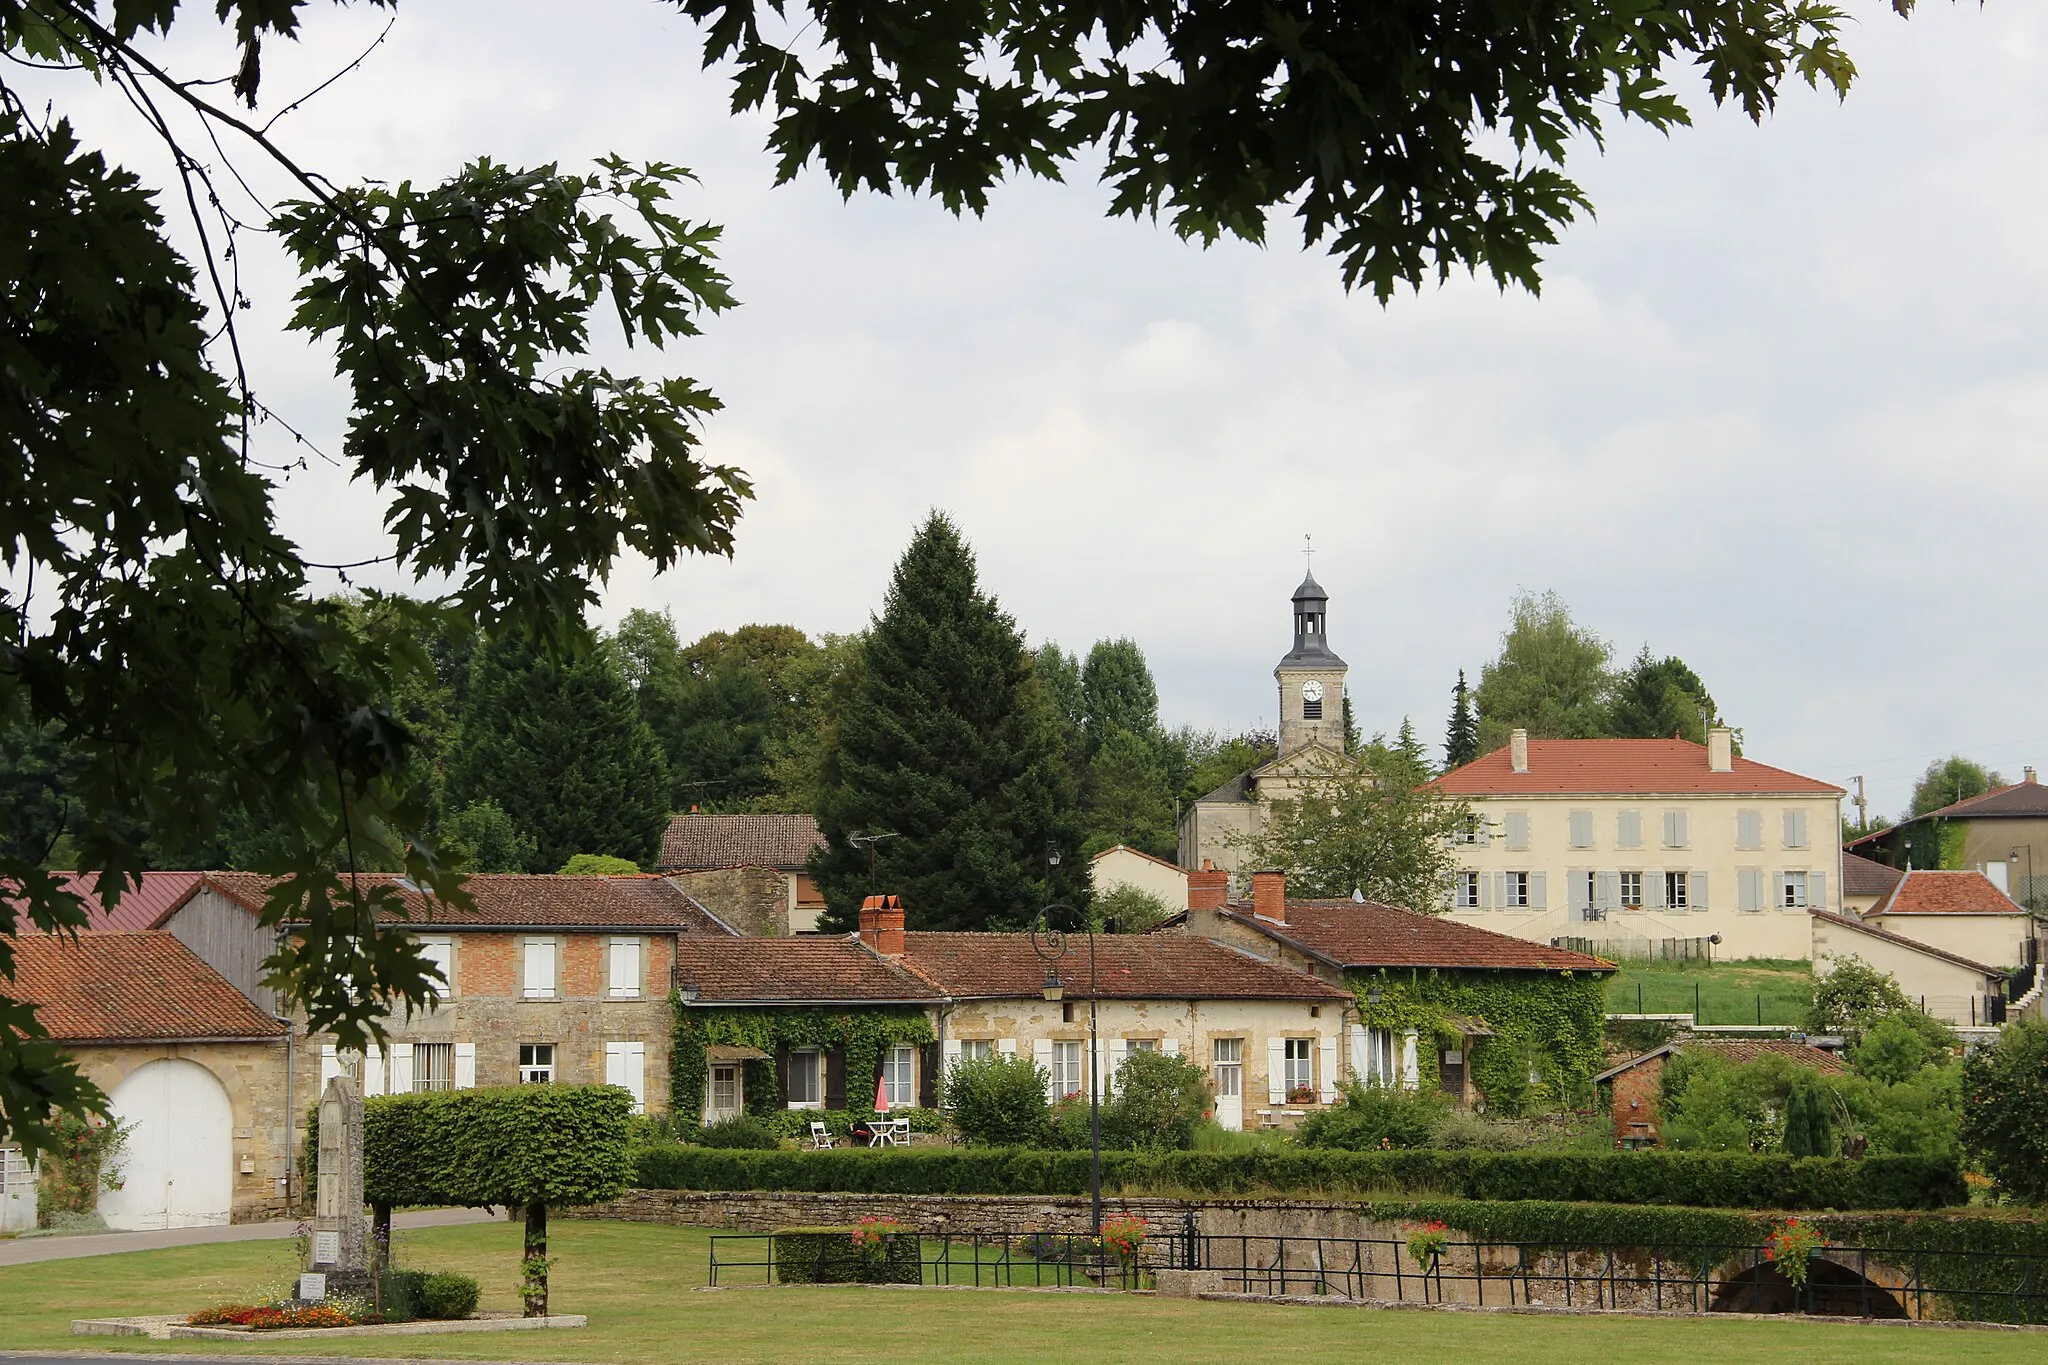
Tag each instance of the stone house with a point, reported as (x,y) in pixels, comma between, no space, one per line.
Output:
(1633,843)
(192,1063)
(1122,865)
(1636,1083)
(2002,833)
(1269,1038)
(1962,913)
(1955,989)
(749,870)
(1464,972)
(550,978)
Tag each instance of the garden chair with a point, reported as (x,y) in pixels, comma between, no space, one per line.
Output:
(821,1136)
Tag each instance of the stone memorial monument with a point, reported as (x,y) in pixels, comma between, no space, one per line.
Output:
(340,1231)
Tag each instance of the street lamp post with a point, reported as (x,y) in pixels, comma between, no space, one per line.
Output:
(1050,943)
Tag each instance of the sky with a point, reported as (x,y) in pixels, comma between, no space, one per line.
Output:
(1779,409)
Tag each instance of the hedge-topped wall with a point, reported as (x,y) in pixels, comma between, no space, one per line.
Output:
(1550,1022)
(861,1035)
(1708,1180)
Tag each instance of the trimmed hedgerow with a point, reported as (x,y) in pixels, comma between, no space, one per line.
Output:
(526,1144)
(832,1256)
(1699,1179)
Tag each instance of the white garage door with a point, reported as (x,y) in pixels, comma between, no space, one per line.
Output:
(177,1169)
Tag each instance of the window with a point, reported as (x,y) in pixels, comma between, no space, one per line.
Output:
(1229,1055)
(440,951)
(806,1081)
(1067,1076)
(1517,824)
(1299,1060)
(977,1049)
(1749,829)
(1141,1045)
(1795,828)
(1382,1058)
(1792,890)
(899,1076)
(625,1065)
(622,969)
(1749,888)
(433,1066)
(1514,890)
(1631,890)
(1581,823)
(725,1090)
(1674,829)
(1628,829)
(536,1063)
(540,969)
(1467,890)
(1674,890)
(1467,831)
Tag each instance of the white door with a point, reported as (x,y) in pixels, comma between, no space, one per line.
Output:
(178,1165)
(726,1096)
(1230,1083)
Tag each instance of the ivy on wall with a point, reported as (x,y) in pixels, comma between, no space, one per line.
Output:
(862,1034)
(1548,1023)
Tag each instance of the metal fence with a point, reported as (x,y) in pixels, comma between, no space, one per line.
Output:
(992,1260)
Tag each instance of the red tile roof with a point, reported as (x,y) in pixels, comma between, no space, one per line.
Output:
(1923,892)
(694,843)
(1738,1051)
(518,900)
(1364,934)
(137,907)
(1629,767)
(1867,877)
(1127,967)
(110,987)
(1863,926)
(2019,799)
(808,970)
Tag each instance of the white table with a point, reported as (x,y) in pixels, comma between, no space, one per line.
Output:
(891,1132)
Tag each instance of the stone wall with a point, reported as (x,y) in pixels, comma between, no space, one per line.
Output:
(754,900)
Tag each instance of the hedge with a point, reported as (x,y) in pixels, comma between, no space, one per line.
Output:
(1701,1179)
(526,1144)
(831,1256)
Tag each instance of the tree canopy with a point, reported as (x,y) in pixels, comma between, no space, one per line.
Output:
(1363,825)
(1952,779)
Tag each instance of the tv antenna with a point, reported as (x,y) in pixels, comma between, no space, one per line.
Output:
(868,842)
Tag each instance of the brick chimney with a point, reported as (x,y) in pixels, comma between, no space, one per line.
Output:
(870,919)
(1209,888)
(1721,749)
(1518,751)
(1269,896)
(2030,774)
(889,927)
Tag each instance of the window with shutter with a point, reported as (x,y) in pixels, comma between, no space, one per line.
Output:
(1749,893)
(623,969)
(1628,829)
(1518,831)
(1749,829)
(1795,829)
(1539,898)
(1698,897)
(1674,829)
(1607,887)
(1581,823)
(1654,884)
(465,1066)
(539,962)
(439,950)
(1579,890)
(1817,890)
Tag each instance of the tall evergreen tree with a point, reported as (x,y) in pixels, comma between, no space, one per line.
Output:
(1117,693)
(950,744)
(1059,673)
(1461,737)
(1129,798)
(1657,698)
(562,750)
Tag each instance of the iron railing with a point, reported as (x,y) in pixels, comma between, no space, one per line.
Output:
(989,1260)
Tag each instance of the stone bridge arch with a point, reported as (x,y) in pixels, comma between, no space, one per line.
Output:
(1838,1285)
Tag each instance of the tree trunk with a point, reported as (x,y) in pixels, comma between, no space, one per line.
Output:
(533,1270)
(380,1252)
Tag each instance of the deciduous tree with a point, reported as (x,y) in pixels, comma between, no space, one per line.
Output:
(1363,826)
(1950,780)
(1550,678)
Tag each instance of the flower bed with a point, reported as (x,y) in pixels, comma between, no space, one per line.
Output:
(264,1316)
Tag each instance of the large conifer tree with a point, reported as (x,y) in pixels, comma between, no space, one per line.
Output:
(952,746)
(1461,737)
(562,750)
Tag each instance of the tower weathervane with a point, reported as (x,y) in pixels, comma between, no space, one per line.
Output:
(1308,552)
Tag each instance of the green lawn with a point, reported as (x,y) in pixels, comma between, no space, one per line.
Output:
(1727,992)
(638,1283)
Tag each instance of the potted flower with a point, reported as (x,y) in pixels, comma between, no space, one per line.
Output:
(1791,1247)
(1301,1094)
(1426,1242)
(1123,1235)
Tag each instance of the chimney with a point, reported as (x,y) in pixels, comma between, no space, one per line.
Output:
(1518,751)
(2030,774)
(1209,888)
(1269,896)
(889,927)
(870,919)
(1721,749)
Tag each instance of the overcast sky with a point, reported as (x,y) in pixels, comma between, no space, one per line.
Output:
(1779,411)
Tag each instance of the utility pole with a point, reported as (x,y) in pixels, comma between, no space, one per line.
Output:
(1862,807)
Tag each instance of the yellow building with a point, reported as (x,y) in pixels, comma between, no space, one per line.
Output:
(1637,846)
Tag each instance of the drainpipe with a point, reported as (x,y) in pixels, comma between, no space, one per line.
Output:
(291,1102)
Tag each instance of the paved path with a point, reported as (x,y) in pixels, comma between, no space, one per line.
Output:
(24,1251)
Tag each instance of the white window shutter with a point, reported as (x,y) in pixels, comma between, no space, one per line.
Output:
(1361,1059)
(1041,1053)
(330,1064)
(625,1065)
(1411,1071)
(949,1054)
(1699,891)
(1170,1046)
(1539,896)
(1276,1070)
(1326,1050)
(1576,891)
(1518,831)
(1500,891)
(1817,890)
(1608,885)
(1006,1047)
(615,1064)
(1748,889)
(373,1071)
(1118,1050)
(465,1066)
(1653,890)
(1486,891)
(401,1068)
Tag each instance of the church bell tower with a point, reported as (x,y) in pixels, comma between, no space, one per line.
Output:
(1311,677)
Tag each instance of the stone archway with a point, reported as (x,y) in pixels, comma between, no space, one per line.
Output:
(1833,1290)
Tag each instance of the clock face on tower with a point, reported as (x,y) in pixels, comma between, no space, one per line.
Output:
(1311,691)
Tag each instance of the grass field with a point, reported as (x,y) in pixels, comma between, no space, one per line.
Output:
(1727,992)
(639,1285)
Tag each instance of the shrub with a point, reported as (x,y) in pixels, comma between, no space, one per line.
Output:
(742,1131)
(1128,909)
(2005,1110)
(1899,1046)
(997,1101)
(598,865)
(399,1292)
(837,1256)
(1705,1179)
(1160,1101)
(1461,1130)
(1853,997)
(1809,1120)
(1375,1117)
(446,1295)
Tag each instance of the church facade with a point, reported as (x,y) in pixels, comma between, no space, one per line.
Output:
(1312,742)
